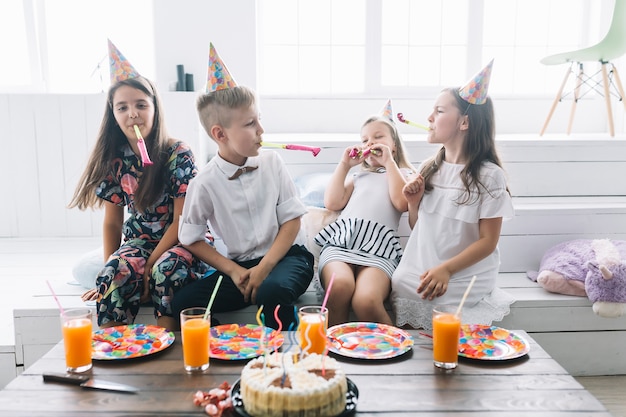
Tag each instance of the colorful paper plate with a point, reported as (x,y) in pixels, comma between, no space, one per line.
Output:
(242,341)
(363,340)
(352,397)
(132,341)
(490,343)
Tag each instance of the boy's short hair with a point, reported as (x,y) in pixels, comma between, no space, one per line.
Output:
(213,108)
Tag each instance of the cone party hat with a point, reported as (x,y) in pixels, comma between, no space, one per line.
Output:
(476,89)
(387,111)
(219,77)
(120,68)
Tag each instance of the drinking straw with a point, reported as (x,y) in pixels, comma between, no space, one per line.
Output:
(208,307)
(330,284)
(469,287)
(55,297)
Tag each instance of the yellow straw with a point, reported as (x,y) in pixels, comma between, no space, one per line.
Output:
(469,287)
(208,307)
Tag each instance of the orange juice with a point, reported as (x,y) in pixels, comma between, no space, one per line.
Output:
(195,334)
(446,329)
(312,329)
(76,329)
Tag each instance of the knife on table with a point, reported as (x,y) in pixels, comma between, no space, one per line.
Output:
(87,381)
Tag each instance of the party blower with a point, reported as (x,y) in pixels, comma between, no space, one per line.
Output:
(410,123)
(142,147)
(311,149)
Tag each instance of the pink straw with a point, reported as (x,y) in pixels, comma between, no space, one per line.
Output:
(330,284)
(55,297)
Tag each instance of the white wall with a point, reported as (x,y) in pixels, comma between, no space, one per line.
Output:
(183,30)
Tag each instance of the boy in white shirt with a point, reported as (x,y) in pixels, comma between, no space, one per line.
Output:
(250,201)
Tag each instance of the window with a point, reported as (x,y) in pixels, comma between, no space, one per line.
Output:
(324,47)
(52,53)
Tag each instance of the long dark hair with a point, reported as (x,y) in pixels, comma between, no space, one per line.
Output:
(110,138)
(479,145)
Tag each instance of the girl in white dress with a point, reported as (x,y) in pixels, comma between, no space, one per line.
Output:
(361,249)
(456,207)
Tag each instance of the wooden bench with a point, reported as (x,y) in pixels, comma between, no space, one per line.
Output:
(563,189)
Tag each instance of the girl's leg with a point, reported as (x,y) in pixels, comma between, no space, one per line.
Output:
(175,269)
(372,289)
(120,283)
(342,291)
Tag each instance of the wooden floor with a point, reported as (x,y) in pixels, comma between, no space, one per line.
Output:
(609,390)
(51,261)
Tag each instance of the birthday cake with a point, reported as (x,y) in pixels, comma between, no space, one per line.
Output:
(287,385)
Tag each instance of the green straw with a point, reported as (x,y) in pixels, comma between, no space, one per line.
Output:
(208,307)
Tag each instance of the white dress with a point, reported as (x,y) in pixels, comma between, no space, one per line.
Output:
(444,229)
(365,233)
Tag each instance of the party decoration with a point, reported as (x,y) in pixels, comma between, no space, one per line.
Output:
(387,111)
(410,123)
(143,151)
(219,77)
(312,149)
(120,68)
(476,89)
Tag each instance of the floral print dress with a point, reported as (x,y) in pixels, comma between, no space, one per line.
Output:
(120,282)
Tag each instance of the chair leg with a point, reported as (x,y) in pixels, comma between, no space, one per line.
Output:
(555,102)
(579,82)
(618,84)
(607,98)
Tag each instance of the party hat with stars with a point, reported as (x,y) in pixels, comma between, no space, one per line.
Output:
(219,77)
(121,69)
(387,111)
(475,91)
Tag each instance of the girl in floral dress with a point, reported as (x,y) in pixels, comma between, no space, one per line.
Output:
(152,189)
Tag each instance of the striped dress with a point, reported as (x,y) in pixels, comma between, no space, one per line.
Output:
(365,233)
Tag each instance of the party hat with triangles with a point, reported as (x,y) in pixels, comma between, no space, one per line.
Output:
(219,77)
(476,89)
(121,69)
(387,111)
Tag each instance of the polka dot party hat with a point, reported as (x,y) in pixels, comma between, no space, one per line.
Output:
(219,77)
(387,111)
(475,91)
(121,69)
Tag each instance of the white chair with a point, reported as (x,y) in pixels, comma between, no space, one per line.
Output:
(611,47)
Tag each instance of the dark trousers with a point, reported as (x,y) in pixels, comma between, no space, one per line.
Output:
(289,279)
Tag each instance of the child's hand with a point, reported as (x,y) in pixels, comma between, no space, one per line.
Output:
(434,283)
(240,277)
(353,156)
(380,155)
(256,278)
(90,295)
(413,190)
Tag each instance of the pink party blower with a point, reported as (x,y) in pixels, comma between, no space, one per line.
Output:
(311,149)
(142,147)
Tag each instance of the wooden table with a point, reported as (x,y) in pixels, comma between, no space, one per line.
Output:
(534,385)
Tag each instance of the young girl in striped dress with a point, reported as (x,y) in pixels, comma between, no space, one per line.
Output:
(361,248)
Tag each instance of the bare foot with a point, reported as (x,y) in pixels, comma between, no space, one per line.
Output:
(90,295)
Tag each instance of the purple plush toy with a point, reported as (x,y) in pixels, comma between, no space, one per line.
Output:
(595,268)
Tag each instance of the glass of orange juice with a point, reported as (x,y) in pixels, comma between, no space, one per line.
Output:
(446,329)
(312,328)
(76,327)
(195,331)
